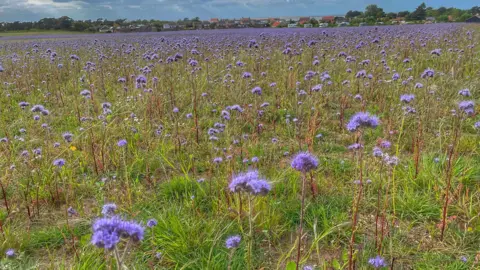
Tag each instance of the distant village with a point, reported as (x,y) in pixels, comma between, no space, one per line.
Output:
(281,22)
(372,15)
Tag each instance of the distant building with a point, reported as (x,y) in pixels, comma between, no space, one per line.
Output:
(205,24)
(307,25)
(328,19)
(167,26)
(430,20)
(292,25)
(303,20)
(214,20)
(245,21)
(323,25)
(105,29)
(474,19)
(276,24)
(340,19)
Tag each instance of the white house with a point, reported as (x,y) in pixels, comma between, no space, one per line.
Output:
(292,25)
(105,29)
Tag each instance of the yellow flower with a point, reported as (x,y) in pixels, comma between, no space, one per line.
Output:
(73,148)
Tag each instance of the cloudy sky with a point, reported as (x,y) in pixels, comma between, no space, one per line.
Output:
(28,10)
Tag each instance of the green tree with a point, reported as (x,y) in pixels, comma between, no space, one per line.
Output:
(442,10)
(475,10)
(403,13)
(464,17)
(442,18)
(374,11)
(391,15)
(352,14)
(419,14)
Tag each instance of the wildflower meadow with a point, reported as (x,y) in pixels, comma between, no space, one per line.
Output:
(335,148)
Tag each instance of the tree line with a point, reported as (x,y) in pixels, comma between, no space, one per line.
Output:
(374,13)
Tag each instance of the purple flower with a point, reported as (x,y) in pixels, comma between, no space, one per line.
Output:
(23,104)
(407,98)
(152,223)
(428,73)
(37,108)
(10,253)
(254,159)
(477,125)
(377,262)
(109,209)
(86,93)
(418,85)
(59,162)
(355,146)
(390,160)
(246,75)
(233,241)
(362,119)
(437,52)
(122,143)
(317,88)
(37,151)
(217,160)
(257,90)
(385,144)
(141,81)
(67,136)
(409,110)
(304,162)
(249,182)
(464,92)
(107,232)
(396,76)
(467,106)
(71,211)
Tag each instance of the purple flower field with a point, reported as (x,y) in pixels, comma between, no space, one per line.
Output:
(335,148)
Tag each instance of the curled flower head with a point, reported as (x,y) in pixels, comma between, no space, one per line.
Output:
(109,209)
(407,98)
(467,106)
(152,223)
(233,241)
(108,231)
(59,162)
(249,182)
(304,162)
(464,92)
(10,253)
(377,262)
(362,119)
(122,143)
(257,90)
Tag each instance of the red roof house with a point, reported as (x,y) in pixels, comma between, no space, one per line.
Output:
(329,19)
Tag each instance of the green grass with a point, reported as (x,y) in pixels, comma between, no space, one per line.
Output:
(156,175)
